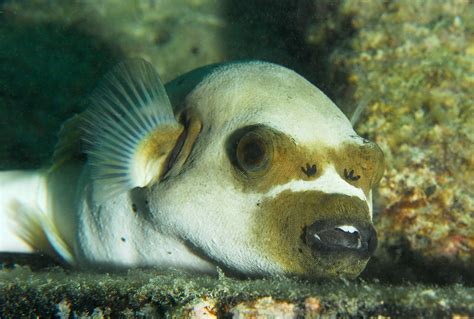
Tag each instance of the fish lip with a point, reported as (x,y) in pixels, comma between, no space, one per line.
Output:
(366,233)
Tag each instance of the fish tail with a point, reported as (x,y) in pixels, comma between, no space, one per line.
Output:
(22,203)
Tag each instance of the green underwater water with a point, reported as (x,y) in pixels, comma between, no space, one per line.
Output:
(53,53)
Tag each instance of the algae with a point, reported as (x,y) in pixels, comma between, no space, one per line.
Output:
(412,64)
(150,293)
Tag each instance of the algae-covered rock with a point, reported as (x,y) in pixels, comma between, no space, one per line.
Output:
(142,293)
(412,65)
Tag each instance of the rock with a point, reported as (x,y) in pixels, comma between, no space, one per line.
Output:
(411,65)
(264,308)
(139,293)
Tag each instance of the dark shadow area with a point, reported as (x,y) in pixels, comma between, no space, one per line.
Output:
(45,70)
(34,261)
(299,34)
(402,265)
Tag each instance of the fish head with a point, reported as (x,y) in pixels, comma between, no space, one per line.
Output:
(276,180)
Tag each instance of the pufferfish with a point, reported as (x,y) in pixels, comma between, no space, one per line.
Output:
(243,166)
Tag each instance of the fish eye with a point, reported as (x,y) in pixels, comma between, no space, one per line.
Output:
(251,150)
(252,153)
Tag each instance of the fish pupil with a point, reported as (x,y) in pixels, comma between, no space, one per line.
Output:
(253,153)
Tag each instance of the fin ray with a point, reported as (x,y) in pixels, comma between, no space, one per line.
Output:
(127,112)
(36,229)
(69,142)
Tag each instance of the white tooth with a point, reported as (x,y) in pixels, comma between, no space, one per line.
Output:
(317,237)
(348,229)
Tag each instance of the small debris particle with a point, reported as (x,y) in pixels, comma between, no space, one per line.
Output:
(63,309)
(202,308)
(312,306)
(430,190)
(265,308)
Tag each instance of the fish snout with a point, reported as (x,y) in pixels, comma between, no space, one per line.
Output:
(341,238)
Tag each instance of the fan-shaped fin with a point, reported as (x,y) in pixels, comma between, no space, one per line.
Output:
(129,129)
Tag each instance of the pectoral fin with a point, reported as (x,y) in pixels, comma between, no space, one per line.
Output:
(129,130)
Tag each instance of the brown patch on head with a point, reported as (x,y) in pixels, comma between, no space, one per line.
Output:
(279,224)
(165,151)
(160,142)
(184,145)
(263,158)
(180,146)
(155,150)
(360,165)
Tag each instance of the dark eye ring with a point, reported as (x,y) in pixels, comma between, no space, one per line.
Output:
(253,153)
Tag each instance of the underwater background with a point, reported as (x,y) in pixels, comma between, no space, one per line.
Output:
(406,68)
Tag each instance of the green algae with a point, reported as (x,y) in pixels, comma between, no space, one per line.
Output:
(412,64)
(55,291)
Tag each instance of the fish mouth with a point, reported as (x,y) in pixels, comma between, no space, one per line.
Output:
(341,238)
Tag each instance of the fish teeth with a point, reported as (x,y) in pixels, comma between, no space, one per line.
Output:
(348,229)
(317,236)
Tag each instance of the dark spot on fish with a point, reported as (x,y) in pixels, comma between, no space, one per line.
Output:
(349,175)
(300,250)
(169,252)
(123,239)
(195,50)
(258,204)
(146,202)
(134,207)
(309,170)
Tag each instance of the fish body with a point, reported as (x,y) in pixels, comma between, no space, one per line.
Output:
(244,166)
